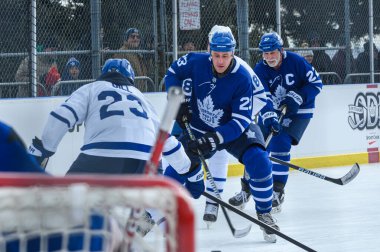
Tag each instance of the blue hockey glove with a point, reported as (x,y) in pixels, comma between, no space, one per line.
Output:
(195,183)
(39,152)
(293,101)
(184,114)
(270,121)
(206,144)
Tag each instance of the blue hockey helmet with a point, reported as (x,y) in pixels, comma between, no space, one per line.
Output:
(222,41)
(270,42)
(119,65)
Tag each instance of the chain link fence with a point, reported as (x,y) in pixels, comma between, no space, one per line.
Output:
(52,47)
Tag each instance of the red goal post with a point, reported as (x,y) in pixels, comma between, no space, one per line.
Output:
(32,203)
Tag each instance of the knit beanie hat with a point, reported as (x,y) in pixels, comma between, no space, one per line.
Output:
(73,62)
(130,31)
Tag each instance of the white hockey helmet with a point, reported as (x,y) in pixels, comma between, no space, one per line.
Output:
(218,28)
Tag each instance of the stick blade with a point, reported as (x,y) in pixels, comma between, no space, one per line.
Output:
(239,233)
(351,174)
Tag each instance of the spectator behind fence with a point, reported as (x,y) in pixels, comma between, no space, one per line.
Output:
(132,41)
(188,46)
(339,61)
(362,63)
(71,72)
(307,53)
(47,71)
(322,61)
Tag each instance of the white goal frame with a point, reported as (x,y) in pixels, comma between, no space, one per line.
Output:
(139,190)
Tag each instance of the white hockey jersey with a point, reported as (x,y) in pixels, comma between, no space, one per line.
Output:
(118,120)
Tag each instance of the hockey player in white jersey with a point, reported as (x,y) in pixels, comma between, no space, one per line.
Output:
(221,118)
(291,81)
(120,126)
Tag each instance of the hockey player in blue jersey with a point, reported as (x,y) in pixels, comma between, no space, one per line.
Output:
(218,163)
(13,154)
(288,80)
(221,118)
(15,158)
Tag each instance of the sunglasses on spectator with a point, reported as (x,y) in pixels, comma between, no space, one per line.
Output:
(135,36)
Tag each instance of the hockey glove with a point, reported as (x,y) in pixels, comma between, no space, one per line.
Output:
(195,183)
(206,144)
(293,101)
(270,122)
(184,114)
(39,152)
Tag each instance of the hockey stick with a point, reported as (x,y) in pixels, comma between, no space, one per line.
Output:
(283,112)
(354,171)
(340,181)
(175,97)
(256,221)
(237,233)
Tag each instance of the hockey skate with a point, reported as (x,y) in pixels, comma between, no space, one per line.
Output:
(211,213)
(145,224)
(241,198)
(278,197)
(268,219)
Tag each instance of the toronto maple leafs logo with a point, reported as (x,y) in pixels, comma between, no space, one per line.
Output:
(207,113)
(251,134)
(277,89)
(286,122)
(278,95)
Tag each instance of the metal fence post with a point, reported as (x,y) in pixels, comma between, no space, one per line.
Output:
(175,26)
(370,34)
(278,16)
(242,23)
(33,50)
(95,38)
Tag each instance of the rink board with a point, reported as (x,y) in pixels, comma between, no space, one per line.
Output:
(345,128)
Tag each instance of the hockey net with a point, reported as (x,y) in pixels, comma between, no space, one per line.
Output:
(89,213)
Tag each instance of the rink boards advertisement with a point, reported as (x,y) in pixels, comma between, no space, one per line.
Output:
(345,126)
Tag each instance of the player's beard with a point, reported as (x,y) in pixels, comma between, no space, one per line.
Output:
(274,62)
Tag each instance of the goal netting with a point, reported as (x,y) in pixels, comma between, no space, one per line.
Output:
(90,212)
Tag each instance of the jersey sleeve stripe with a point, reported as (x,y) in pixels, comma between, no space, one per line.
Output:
(238,116)
(171,70)
(239,124)
(176,148)
(60,118)
(305,111)
(257,92)
(72,110)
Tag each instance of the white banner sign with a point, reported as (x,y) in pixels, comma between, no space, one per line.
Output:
(189,15)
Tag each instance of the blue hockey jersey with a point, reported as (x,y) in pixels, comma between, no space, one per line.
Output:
(294,74)
(222,105)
